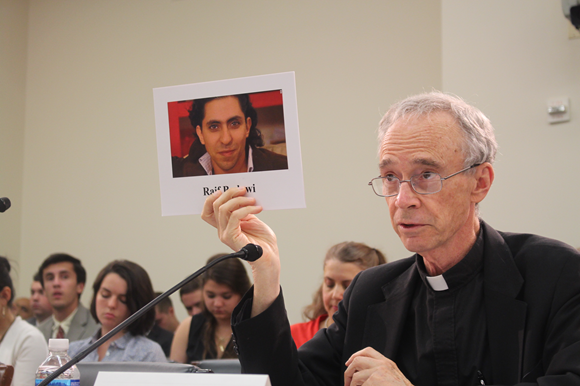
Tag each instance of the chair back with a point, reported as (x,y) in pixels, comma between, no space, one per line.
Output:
(6,374)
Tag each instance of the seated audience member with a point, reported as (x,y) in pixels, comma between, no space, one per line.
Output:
(165,315)
(190,295)
(41,308)
(163,337)
(21,345)
(341,264)
(21,307)
(121,289)
(63,278)
(159,334)
(208,335)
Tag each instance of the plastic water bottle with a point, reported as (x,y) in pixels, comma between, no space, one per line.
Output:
(57,357)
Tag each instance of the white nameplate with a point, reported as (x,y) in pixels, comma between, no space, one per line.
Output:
(122,378)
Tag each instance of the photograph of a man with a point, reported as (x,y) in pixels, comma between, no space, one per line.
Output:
(226,139)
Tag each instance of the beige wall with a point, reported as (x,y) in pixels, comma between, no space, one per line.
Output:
(508,57)
(90,168)
(13,30)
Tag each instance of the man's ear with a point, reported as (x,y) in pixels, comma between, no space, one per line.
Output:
(80,288)
(248,125)
(484,178)
(199,134)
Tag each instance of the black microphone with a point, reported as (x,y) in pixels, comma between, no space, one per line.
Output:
(250,252)
(253,252)
(5,204)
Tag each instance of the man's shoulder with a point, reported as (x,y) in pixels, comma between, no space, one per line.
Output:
(268,160)
(526,246)
(158,334)
(542,253)
(46,325)
(84,319)
(83,314)
(537,258)
(192,168)
(390,270)
(372,281)
(528,241)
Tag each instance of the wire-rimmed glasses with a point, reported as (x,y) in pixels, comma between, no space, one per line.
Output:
(424,183)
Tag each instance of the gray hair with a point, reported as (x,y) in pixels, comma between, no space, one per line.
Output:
(479,141)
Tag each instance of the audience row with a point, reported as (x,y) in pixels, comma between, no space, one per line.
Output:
(123,287)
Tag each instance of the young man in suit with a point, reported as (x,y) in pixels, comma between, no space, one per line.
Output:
(63,279)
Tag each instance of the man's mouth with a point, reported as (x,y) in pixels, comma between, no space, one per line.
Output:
(226,153)
(409,225)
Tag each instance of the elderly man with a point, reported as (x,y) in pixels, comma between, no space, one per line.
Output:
(472,306)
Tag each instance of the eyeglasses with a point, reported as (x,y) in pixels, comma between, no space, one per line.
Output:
(424,183)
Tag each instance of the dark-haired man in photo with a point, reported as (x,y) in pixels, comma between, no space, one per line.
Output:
(63,279)
(227,139)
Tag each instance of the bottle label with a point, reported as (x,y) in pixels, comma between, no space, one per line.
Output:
(61,382)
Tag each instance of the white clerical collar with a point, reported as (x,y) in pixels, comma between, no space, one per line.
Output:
(205,162)
(437,283)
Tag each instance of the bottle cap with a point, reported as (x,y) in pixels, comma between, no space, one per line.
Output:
(57,344)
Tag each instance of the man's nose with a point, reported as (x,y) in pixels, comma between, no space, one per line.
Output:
(226,137)
(407,197)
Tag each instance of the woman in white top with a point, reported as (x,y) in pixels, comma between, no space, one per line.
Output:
(21,344)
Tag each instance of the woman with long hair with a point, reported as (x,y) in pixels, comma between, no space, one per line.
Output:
(121,289)
(342,263)
(208,335)
(21,344)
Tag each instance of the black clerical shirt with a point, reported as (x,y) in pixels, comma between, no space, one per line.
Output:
(444,342)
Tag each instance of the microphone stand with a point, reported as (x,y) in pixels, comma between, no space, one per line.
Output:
(250,252)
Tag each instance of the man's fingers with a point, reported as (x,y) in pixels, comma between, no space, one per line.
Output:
(369,363)
(358,378)
(365,352)
(207,213)
(355,364)
(231,229)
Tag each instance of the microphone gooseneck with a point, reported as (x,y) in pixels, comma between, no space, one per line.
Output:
(250,252)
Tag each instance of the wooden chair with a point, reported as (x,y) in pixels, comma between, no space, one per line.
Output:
(6,374)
